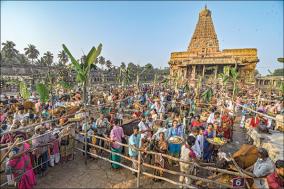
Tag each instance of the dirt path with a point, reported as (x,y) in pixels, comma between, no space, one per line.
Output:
(97,174)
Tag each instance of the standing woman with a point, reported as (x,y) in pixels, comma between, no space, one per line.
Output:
(20,165)
(161,146)
(208,148)
(175,130)
(116,135)
(67,144)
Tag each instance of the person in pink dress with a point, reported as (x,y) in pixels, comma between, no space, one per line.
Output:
(116,135)
(20,165)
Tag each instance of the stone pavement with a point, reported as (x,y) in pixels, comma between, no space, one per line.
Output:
(97,174)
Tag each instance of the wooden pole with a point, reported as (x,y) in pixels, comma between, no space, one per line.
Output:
(139,169)
(239,170)
(9,150)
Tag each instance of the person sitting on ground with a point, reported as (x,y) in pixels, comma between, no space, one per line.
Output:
(262,168)
(276,179)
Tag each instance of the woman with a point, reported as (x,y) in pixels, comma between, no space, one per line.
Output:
(67,144)
(196,122)
(20,165)
(116,135)
(208,148)
(175,130)
(161,146)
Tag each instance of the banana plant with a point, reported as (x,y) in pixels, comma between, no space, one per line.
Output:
(207,95)
(43,92)
(24,90)
(83,69)
(125,75)
(234,78)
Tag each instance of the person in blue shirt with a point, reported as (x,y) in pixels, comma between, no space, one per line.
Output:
(134,141)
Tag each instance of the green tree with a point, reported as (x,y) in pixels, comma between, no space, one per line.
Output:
(8,50)
(31,52)
(122,65)
(83,70)
(278,72)
(147,67)
(102,62)
(108,64)
(63,58)
(40,62)
(22,59)
(25,94)
(48,58)
(281,60)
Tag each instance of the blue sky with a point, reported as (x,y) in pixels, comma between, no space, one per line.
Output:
(143,32)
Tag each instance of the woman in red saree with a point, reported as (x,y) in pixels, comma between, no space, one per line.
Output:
(227,124)
(20,166)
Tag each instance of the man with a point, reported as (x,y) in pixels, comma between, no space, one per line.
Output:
(196,146)
(262,167)
(276,179)
(40,141)
(134,142)
(102,126)
(187,154)
(143,127)
(116,135)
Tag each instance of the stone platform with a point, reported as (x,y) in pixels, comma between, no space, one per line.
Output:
(273,142)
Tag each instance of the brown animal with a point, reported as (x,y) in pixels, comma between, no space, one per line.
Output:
(246,156)
(28,105)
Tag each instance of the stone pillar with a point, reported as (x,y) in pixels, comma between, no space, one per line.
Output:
(216,70)
(193,72)
(203,70)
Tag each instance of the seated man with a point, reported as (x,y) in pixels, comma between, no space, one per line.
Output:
(276,179)
(262,167)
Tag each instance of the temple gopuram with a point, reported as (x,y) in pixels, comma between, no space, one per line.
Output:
(204,58)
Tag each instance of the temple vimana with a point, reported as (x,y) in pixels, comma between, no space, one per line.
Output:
(204,58)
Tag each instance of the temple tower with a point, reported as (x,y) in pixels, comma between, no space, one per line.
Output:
(204,40)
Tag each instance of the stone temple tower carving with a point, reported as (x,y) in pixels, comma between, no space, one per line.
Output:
(204,58)
(204,40)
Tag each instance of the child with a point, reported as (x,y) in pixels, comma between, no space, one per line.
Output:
(187,154)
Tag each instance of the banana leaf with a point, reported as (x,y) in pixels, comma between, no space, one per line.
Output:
(43,92)
(24,90)
(65,84)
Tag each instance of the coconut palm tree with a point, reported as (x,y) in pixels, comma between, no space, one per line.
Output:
(48,58)
(123,65)
(138,74)
(63,58)
(108,64)
(281,60)
(102,61)
(40,62)
(83,69)
(31,52)
(22,59)
(8,51)
(125,75)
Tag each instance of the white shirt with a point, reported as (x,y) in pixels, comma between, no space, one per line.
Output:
(210,118)
(142,127)
(198,146)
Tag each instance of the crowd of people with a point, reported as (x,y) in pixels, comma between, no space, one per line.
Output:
(163,116)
